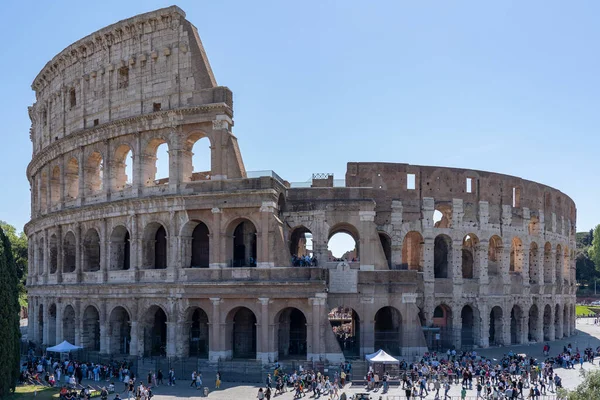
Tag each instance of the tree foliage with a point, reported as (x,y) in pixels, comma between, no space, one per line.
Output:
(9,318)
(20,254)
(594,250)
(588,389)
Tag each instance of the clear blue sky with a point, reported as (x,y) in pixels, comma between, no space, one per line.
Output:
(511,87)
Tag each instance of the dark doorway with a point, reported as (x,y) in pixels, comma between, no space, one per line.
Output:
(200,246)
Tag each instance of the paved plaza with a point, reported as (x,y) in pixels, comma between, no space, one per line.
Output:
(588,335)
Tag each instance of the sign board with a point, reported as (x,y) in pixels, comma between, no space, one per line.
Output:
(409,298)
(343,279)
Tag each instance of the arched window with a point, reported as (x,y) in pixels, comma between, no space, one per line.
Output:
(386,246)
(442,216)
(91,251)
(516,256)
(197,165)
(94,174)
(53,254)
(120,249)
(244,244)
(412,251)
(122,170)
(72,179)
(200,246)
(156,163)
(494,255)
(43,192)
(55,186)
(69,252)
(155,246)
(442,256)
(301,246)
(469,256)
(160,251)
(343,243)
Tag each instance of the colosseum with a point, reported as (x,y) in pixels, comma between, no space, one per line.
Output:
(228,264)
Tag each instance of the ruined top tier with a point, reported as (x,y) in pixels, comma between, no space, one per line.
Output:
(146,64)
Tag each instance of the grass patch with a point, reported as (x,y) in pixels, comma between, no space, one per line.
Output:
(27,392)
(584,311)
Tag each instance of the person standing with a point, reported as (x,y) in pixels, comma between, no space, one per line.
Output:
(198,381)
(218,381)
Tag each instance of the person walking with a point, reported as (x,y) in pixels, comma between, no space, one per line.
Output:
(198,381)
(193,383)
(218,380)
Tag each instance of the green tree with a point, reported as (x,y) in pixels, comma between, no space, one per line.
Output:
(20,254)
(594,250)
(588,389)
(585,270)
(9,317)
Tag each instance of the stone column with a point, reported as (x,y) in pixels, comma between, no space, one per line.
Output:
(30,320)
(78,253)
(428,259)
(218,156)
(81,167)
(367,241)
(540,267)
(559,325)
(216,342)
(315,330)
(134,349)
(553,266)
(264,257)
(524,339)
(46,255)
(104,250)
(525,250)
(59,322)
(397,240)
(217,257)
(137,167)
(484,326)
(505,268)
(539,337)
(46,317)
(171,339)
(264,345)
(457,330)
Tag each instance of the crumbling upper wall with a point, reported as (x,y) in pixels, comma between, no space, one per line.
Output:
(151,62)
(390,182)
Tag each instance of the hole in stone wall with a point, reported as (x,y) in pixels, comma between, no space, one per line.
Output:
(156,107)
(123,78)
(72,98)
(516,199)
(410,181)
(96,122)
(469,185)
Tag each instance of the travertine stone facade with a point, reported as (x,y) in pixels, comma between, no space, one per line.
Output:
(198,263)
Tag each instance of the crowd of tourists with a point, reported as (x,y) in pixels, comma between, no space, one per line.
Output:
(304,261)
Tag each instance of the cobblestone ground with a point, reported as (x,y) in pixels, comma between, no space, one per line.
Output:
(587,335)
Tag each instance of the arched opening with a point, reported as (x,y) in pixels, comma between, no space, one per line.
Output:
(90,335)
(155,165)
(496,333)
(412,251)
(516,325)
(200,158)
(40,324)
(244,244)
(547,321)
(53,253)
(301,247)
(566,320)
(469,249)
(343,243)
(69,324)
(533,323)
(40,256)
(91,251)
(442,319)
(51,340)
(198,334)
(442,216)
(55,186)
(559,264)
(566,266)
(69,253)
(155,246)
(72,179)
(494,255)
(291,333)
(388,330)
(386,245)
(123,168)
(534,225)
(155,332)
(534,268)
(43,191)
(119,331)
(281,207)
(469,326)
(94,173)
(516,256)
(346,327)
(120,249)
(547,263)
(243,332)
(442,248)
(200,246)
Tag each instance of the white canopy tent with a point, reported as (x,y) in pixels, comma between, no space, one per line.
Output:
(381,357)
(64,347)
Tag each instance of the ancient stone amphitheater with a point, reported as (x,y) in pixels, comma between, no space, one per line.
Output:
(198,263)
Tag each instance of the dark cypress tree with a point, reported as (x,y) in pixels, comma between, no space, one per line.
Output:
(10,335)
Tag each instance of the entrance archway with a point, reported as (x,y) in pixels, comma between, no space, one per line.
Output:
(40,333)
(155,332)
(120,331)
(442,256)
(69,324)
(442,319)
(468,327)
(388,330)
(496,327)
(243,332)
(516,325)
(533,323)
(291,333)
(198,334)
(547,321)
(346,327)
(200,246)
(51,339)
(90,338)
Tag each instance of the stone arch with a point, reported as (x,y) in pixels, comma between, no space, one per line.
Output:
(469,316)
(119,330)
(347,229)
(469,256)
(494,255)
(69,252)
(72,179)
(40,256)
(198,332)
(442,215)
(516,325)
(558,263)
(547,321)
(55,186)
(534,267)
(90,333)
(40,324)
(442,256)
(197,160)
(496,333)
(443,318)
(242,247)
(300,244)
(120,249)
(154,324)
(51,340)
(94,173)
(241,331)
(516,256)
(388,330)
(386,246)
(200,246)
(345,323)
(91,251)
(68,322)
(534,315)
(155,248)
(53,253)
(149,163)
(122,164)
(547,262)
(412,251)
(291,333)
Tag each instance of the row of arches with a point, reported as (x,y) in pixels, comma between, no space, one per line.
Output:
(86,176)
